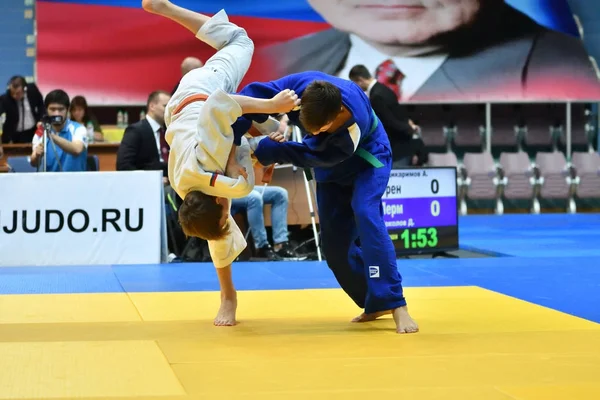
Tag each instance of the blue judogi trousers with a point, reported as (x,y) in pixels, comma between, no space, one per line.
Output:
(356,244)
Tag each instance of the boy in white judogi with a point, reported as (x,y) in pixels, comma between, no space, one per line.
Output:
(206,169)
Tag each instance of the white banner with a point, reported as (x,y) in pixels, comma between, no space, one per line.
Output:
(82,218)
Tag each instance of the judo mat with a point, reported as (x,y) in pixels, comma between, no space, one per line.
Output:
(522,323)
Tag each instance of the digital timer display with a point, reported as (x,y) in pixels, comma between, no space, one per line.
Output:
(422,238)
(421,210)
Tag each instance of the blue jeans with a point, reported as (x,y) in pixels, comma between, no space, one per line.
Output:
(254,206)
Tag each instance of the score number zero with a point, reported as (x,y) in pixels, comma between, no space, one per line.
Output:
(435,205)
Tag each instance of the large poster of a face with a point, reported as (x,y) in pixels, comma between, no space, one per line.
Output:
(447,50)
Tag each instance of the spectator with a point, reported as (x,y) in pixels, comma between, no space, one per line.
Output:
(399,128)
(23,105)
(80,113)
(188,64)
(143,146)
(420,155)
(253,204)
(66,147)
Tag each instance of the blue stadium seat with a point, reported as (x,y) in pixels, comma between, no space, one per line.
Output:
(20,164)
(92,163)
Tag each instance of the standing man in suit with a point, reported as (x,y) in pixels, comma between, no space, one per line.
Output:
(23,105)
(143,146)
(443,50)
(384,101)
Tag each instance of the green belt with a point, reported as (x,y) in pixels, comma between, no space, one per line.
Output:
(365,155)
(362,153)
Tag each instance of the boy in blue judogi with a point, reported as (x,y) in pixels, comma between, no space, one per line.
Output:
(349,150)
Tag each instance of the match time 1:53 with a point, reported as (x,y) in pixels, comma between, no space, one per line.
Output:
(420,238)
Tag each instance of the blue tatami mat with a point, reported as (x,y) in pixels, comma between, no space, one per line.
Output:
(552,260)
(71,279)
(524,235)
(255,276)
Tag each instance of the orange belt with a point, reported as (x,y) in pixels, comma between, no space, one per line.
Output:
(268,171)
(189,100)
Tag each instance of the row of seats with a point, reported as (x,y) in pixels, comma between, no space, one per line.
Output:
(515,177)
(513,126)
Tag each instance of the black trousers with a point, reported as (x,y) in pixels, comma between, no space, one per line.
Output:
(19,137)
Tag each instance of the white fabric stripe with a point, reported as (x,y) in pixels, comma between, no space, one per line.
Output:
(355,134)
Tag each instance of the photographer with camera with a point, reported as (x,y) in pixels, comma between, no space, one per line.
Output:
(65,147)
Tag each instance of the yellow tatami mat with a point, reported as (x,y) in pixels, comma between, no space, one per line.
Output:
(473,344)
(85,369)
(106,307)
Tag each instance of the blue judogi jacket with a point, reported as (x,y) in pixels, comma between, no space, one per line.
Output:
(336,157)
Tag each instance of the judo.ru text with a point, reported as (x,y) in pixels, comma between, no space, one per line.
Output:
(78,220)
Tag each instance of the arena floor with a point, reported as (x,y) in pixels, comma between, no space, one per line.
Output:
(520,324)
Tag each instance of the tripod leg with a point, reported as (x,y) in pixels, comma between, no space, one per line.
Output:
(298,137)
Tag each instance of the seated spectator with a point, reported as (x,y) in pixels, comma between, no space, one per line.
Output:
(143,146)
(23,106)
(80,113)
(66,147)
(253,204)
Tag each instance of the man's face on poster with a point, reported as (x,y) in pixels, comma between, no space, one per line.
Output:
(403,22)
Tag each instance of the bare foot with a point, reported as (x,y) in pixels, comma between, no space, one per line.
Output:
(371,316)
(404,322)
(154,6)
(226,314)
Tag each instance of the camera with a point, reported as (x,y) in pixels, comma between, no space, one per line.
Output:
(53,119)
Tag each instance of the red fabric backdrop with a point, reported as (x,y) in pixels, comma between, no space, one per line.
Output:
(118,55)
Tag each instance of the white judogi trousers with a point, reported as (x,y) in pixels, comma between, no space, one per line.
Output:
(200,135)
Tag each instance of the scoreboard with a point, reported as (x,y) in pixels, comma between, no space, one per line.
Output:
(420,210)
